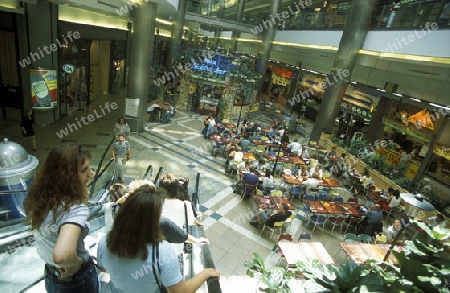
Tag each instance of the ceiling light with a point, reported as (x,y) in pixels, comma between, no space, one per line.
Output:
(417,100)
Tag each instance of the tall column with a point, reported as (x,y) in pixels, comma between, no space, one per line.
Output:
(353,37)
(268,37)
(235,35)
(375,129)
(177,32)
(142,39)
(217,36)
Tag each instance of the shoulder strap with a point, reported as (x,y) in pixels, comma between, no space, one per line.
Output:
(186,217)
(155,264)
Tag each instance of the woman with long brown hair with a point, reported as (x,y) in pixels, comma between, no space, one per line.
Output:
(134,253)
(56,207)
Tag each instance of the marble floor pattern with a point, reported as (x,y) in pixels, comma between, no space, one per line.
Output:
(179,148)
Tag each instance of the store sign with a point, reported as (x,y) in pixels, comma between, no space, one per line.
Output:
(211,65)
(68,68)
(390,157)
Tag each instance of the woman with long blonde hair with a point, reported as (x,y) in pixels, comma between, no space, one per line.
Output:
(59,219)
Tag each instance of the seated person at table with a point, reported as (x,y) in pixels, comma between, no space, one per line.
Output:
(374,220)
(272,134)
(395,202)
(311,184)
(364,182)
(251,127)
(236,159)
(261,165)
(250,178)
(437,220)
(305,154)
(268,182)
(245,144)
(303,173)
(244,166)
(295,146)
(393,230)
(331,153)
(340,167)
(282,214)
(317,173)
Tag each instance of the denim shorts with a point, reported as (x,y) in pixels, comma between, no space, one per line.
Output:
(85,280)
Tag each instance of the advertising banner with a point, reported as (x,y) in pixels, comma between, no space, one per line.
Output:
(44,85)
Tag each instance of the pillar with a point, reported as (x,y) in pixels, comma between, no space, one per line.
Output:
(142,40)
(177,32)
(36,32)
(355,31)
(235,35)
(268,37)
(217,36)
(375,129)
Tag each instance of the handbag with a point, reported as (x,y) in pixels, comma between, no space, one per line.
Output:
(187,248)
(155,252)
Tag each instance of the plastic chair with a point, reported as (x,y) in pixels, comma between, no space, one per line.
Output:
(381,239)
(289,221)
(336,222)
(304,236)
(365,238)
(338,199)
(353,221)
(323,196)
(309,197)
(352,200)
(248,189)
(350,238)
(277,226)
(276,193)
(295,191)
(317,220)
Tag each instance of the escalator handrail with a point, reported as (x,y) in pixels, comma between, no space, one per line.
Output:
(96,175)
(148,171)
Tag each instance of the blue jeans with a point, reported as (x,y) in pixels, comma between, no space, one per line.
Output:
(85,280)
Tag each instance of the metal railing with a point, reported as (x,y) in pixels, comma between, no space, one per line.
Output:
(407,15)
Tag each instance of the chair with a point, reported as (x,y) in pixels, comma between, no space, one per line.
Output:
(350,238)
(277,226)
(323,196)
(365,238)
(248,189)
(381,239)
(352,200)
(353,221)
(295,191)
(289,221)
(276,193)
(338,199)
(336,222)
(317,220)
(304,236)
(309,197)
(218,148)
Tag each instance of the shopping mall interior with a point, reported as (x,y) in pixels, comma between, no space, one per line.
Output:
(369,79)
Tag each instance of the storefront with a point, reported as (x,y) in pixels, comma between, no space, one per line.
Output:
(219,84)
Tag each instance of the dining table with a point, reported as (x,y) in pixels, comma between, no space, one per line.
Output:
(361,252)
(333,207)
(300,251)
(248,156)
(271,202)
(291,179)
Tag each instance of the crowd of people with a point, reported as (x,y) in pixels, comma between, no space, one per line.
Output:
(144,228)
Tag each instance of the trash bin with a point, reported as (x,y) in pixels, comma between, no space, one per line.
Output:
(17,171)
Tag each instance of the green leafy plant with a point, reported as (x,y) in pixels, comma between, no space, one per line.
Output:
(424,265)
(273,278)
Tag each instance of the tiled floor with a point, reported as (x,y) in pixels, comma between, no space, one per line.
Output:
(179,148)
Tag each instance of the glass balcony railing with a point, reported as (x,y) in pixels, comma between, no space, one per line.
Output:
(407,15)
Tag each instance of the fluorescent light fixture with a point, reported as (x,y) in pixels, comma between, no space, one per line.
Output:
(409,57)
(353,82)
(163,21)
(439,106)
(417,100)
(398,95)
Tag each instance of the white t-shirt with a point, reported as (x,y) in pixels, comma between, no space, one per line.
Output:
(173,209)
(48,232)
